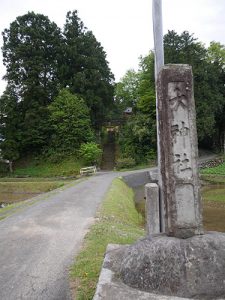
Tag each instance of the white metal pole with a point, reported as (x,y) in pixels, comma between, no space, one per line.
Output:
(159,62)
(158,35)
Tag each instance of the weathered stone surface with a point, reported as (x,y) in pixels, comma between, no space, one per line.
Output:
(152,208)
(110,287)
(137,179)
(193,267)
(154,176)
(178,177)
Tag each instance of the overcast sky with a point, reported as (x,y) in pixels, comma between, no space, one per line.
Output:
(124,27)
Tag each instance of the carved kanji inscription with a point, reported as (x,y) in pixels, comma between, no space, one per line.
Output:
(178,147)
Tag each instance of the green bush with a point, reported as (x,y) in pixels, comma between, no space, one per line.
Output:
(123,163)
(91,153)
(70,122)
(4,168)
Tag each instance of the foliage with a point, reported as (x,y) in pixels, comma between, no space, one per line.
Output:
(41,60)
(10,133)
(4,169)
(85,68)
(137,137)
(208,79)
(70,120)
(146,91)
(216,56)
(118,223)
(91,153)
(126,91)
(30,53)
(123,163)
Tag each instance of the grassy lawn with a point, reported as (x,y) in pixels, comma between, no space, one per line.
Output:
(31,177)
(15,191)
(118,222)
(213,178)
(138,167)
(68,167)
(219,170)
(214,193)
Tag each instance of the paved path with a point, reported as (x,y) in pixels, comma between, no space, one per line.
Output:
(38,244)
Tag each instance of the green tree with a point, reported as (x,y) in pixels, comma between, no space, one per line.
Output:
(86,71)
(209,100)
(9,132)
(31,50)
(70,120)
(126,91)
(137,137)
(91,153)
(216,57)
(32,46)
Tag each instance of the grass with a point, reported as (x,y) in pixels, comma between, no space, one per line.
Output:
(139,167)
(14,191)
(119,223)
(213,178)
(219,170)
(28,199)
(214,201)
(68,167)
(214,207)
(214,193)
(214,198)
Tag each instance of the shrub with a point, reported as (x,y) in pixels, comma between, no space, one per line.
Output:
(71,123)
(4,168)
(91,153)
(123,163)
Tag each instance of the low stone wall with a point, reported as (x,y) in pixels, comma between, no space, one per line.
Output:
(211,163)
(137,179)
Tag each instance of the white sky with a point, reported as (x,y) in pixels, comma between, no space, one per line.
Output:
(124,27)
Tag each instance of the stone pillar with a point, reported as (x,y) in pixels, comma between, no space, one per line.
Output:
(178,151)
(152,208)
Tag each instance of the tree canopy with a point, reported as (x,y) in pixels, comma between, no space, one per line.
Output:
(70,122)
(41,59)
(208,81)
(138,135)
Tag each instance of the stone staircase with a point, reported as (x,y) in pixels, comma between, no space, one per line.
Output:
(108,157)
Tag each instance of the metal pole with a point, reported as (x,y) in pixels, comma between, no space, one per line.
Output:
(159,62)
(158,35)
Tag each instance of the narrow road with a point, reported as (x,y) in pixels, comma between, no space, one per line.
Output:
(38,244)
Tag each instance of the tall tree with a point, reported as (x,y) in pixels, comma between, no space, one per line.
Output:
(138,136)
(31,50)
(186,49)
(10,134)
(216,56)
(126,91)
(87,72)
